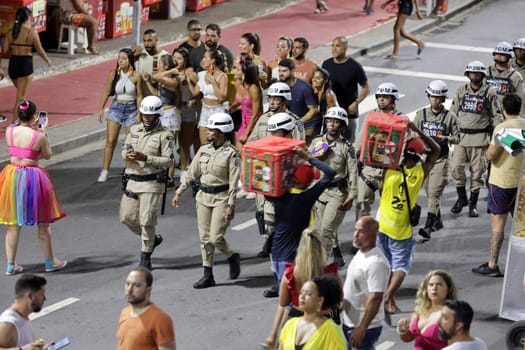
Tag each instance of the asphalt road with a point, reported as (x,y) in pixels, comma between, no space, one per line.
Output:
(234,315)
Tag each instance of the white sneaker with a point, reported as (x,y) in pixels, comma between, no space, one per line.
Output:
(103,177)
(250,195)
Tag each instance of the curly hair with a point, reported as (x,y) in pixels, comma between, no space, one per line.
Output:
(423,303)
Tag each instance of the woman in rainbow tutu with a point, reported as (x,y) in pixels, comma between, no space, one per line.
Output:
(26,193)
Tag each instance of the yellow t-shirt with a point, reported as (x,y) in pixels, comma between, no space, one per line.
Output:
(394,219)
(328,336)
(505,170)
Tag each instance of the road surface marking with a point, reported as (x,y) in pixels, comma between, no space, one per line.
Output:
(244,225)
(414,74)
(385,345)
(53,307)
(459,47)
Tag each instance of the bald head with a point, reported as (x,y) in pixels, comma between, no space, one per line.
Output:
(339,47)
(365,233)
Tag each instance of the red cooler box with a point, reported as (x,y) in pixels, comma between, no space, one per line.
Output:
(383,139)
(268,165)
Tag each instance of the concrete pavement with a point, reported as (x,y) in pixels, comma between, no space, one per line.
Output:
(366,33)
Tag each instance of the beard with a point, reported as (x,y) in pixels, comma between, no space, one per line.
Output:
(211,44)
(136,300)
(150,49)
(443,335)
(36,308)
(299,57)
(501,62)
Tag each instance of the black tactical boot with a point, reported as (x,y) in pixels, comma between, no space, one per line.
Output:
(145,260)
(338,257)
(273,292)
(206,281)
(461,202)
(472,205)
(438,224)
(426,231)
(235,265)
(158,240)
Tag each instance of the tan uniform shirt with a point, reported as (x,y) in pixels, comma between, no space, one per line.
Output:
(157,145)
(215,167)
(260,130)
(340,156)
(509,80)
(441,124)
(476,111)
(517,67)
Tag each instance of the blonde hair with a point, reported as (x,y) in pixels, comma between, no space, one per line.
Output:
(311,257)
(423,303)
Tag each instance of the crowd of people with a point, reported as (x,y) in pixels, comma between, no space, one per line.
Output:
(202,95)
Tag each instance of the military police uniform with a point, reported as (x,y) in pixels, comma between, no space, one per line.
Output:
(504,82)
(442,124)
(520,69)
(340,156)
(145,185)
(477,112)
(218,171)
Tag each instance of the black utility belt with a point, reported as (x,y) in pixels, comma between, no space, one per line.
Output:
(372,186)
(143,178)
(339,183)
(474,131)
(214,189)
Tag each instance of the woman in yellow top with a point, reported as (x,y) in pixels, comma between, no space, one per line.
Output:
(20,43)
(314,330)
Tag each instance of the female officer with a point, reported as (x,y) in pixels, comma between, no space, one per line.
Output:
(216,166)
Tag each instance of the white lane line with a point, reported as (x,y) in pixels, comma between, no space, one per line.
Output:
(385,345)
(244,225)
(414,74)
(459,47)
(53,307)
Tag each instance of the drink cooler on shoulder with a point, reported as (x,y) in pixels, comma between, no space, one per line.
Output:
(268,165)
(384,140)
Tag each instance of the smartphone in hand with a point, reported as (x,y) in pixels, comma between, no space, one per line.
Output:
(42,119)
(59,344)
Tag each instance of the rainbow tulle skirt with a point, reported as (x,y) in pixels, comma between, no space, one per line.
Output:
(27,196)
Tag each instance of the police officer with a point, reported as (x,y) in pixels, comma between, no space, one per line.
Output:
(279,95)
(477,109)
(331,207)
(439,123)
(518,62)
(369,177)
(217,165)
(148,153)
(501,75)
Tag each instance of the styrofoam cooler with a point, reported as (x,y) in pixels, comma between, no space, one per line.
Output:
(384,137)
(268,165)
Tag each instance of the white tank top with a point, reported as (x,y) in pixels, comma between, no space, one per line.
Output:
(23,327)
(206,89)
(125,89)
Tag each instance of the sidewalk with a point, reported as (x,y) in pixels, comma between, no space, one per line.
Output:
(70,90)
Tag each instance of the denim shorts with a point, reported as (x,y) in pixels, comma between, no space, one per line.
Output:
(399,253)
(279,267)
(208,111)
(501,200)
(124,114)
(170,118)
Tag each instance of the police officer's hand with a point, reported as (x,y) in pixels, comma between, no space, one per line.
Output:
(135,155)
(301,152)
(347,204)
(228,213)
(175,201)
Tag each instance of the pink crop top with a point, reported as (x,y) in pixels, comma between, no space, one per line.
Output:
(429,339)
(22,152)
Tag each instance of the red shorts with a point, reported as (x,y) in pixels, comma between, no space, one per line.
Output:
(74,19)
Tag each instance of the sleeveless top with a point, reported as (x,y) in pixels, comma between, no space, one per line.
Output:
(23,327)
(22,152)
(166,95)
(428,339)
(125,89)
(206,89)
(293,287)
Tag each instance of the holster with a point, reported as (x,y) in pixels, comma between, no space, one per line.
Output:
(259,217)
(195,186)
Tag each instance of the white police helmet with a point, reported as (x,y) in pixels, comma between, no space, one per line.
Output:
(220,121)
(389,89)
(519,44)
(337,113)
(476,67)
(437,88)
(503,48)
(150,105)
(280,89)
(281,121)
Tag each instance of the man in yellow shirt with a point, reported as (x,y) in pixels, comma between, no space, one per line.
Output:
(503,183)
(395,238)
